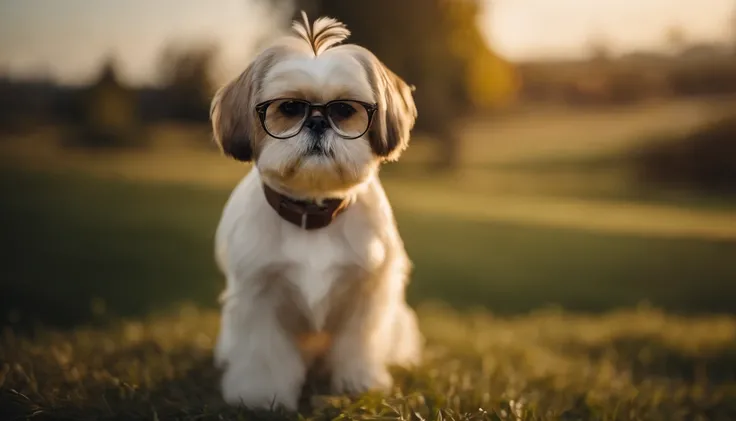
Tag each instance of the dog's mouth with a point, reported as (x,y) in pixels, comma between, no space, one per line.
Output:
(318,150)
(319,160)
(318,147)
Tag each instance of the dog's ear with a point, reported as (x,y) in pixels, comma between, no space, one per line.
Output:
(232,112)
(396,113)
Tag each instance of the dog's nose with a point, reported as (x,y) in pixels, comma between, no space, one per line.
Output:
(317,124)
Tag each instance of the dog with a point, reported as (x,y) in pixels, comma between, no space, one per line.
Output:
(315,268)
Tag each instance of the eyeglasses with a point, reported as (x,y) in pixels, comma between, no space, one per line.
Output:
(285,117)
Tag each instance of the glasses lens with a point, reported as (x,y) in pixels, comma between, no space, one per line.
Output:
(348,118)
(285,117)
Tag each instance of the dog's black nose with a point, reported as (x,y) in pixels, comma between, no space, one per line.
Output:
(317,124)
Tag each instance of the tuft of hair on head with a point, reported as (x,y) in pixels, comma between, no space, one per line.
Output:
(323,34)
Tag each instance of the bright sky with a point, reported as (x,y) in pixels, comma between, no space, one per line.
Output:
(68,38)
(533,28)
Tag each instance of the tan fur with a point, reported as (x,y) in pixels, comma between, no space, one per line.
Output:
(234,124)
(239,133)
(390,132)
(331,299)
(323,34)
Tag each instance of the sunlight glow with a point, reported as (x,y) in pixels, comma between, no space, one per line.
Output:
(67,40)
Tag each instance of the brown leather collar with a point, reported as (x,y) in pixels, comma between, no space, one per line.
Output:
(305,214)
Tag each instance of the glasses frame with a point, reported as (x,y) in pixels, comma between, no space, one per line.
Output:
(263,106)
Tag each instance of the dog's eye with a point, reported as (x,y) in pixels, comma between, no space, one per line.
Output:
(292,108)
(342,110)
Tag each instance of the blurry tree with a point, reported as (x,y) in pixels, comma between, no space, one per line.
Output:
(677,38)
(599,50)
(435,45)
(698,78)
(109,116)
(186,73)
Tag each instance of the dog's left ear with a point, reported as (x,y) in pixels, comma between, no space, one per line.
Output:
(232,112)
(396,113)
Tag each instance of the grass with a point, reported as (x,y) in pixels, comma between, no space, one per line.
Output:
(96,270)
(635,364)
(87,249)
(108,294)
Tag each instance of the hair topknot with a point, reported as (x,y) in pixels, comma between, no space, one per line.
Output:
(323,34)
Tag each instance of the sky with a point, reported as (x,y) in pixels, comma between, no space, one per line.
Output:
(67,39)
(550,28)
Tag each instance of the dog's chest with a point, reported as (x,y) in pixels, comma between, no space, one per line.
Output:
(318,262)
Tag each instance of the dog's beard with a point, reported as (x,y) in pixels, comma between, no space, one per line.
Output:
(311,167)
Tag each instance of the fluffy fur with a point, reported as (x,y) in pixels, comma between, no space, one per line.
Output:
(330,299)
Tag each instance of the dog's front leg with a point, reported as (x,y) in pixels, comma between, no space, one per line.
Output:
(263,369)
(360,349)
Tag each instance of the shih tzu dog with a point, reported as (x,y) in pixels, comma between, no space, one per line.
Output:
(316,270)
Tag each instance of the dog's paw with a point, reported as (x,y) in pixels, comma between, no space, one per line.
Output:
(407,344)
(258,393)
(357,378)
(261,384)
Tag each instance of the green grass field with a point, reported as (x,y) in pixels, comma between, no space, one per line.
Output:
(74,244)
(543,295)
(630,365)
(82,251)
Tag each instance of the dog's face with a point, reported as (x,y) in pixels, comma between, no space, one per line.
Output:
(316,118)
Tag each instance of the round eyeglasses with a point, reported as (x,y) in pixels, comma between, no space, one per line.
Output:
(285,117)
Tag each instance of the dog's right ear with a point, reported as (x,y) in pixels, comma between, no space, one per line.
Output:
(394,119)
(232,112)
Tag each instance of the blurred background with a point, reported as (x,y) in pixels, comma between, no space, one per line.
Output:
(575,153)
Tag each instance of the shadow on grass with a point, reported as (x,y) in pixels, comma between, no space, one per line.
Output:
(78,250)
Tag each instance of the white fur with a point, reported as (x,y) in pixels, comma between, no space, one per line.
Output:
(331,75)
(286,286)
(319,76)
(262,364)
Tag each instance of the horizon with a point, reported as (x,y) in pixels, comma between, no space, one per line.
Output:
(519,30)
